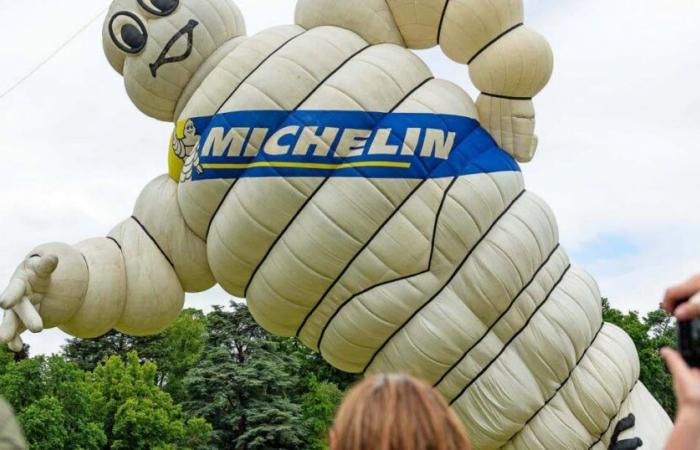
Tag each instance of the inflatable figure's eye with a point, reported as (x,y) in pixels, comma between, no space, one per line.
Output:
(128,32)
(160,8)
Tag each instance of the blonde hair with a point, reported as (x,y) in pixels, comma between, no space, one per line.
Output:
(396,412)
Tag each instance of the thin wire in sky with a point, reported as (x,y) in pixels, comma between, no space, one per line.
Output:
(52,55)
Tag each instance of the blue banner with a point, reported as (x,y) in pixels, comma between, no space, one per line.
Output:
(342,144)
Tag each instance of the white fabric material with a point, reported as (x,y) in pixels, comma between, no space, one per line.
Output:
(460,281)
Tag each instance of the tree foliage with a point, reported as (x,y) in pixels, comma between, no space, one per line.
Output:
(118,406)
(318,408)
(209,381)
(139,415)
(56,407)
(249,386)
(216,381)
(649,334)
(174,351)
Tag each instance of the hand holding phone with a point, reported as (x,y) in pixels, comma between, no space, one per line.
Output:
(689,338)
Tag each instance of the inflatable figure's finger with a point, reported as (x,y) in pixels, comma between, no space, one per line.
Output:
(29,316)
(13,294)
(9,327)
(44,266)
(16,344)
(628,444)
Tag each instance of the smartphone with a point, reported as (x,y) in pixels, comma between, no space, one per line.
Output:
(689,339)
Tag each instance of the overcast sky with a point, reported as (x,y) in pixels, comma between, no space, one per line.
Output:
(619,127)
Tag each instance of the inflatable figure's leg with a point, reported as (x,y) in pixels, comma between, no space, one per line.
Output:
(522,354)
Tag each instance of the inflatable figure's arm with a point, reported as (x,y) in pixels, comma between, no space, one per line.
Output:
(508,62)
(133,280)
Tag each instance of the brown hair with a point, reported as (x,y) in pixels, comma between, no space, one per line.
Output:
(396,412)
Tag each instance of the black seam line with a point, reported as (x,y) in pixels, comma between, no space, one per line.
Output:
(328,77)
(563,383)
(87,269)
(274,52)
(154,241)
(493,41)
(449,280)
(281,234)
(505,97)
(410,93)
(501,316)
(115,241)
(216,211)
(360,251)
(512,338)
(228,191)
(430,264)
(435,224)
(306,202)
(342,273)
(442,20)
(612,419)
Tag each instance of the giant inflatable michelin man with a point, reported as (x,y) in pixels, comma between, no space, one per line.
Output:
(321,172)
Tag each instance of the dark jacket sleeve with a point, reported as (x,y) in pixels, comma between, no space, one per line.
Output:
(10,434)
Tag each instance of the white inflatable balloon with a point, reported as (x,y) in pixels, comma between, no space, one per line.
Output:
(320,171)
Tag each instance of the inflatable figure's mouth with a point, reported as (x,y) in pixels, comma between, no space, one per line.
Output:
(164,59)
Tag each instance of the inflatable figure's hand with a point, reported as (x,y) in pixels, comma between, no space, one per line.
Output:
(22,298)
(46,291)
(511,122)
(625,444)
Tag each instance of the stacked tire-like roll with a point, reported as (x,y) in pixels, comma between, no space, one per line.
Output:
(508,62)
(458,280)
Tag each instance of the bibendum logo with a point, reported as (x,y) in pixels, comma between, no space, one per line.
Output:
(335,144)
(184,147)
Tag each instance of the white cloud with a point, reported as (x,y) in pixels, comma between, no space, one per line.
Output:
(618,127)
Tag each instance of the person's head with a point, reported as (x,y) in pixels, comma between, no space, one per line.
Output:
(396,412)
(158,46)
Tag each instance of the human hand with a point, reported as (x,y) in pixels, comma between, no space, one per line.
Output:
(688,289)
(686,381)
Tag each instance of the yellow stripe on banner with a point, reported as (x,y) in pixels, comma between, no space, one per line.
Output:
(291,165)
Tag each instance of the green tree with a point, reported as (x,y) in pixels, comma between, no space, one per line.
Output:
(175,350)
(56,407)
(139,415)
(315,368)
(258,391)
(319,392)
(245,385)
(649,334)
(319,405)
(6,357)
(43,421)
(88,353)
